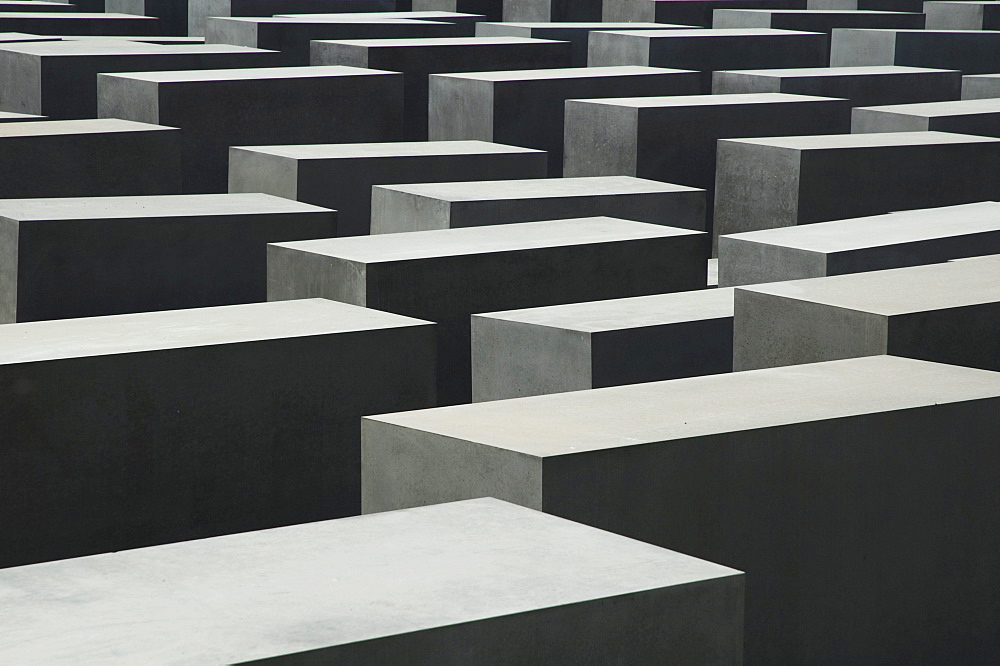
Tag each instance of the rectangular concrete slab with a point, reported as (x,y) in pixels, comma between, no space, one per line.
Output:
(97,256)
(693,12)
(820,479)
(601,343)
(974,116)
(341,176)
(815,20)
(172,17)
(444,585)
(979,86)
(290,105)
(200,10)
(141,429)
(427,206)
(971,51)
(880,242)
(77,23)
(450,274)
(490,10)
(552,10)
(962,15)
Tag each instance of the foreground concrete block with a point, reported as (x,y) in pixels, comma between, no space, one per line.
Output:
(673,139)
(552,10)
(289,105)
(941,312)
(979,86)
(962,15)
(907,238)
(781,182)
(815,20)
(692,12)
(59,79)
(444,585)
(341,176)
(602,343)
(975,116)
(494,105)
(972,51)
(418,58)
(710,50)
(451,274)
(200,10)
(88,158)
(96,256)
(427,206)
(141,429)
(863,86)
(819,479)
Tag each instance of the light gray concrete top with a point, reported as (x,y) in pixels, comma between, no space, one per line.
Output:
(323,18)
(706,100)
(24,37)
(881,230)
(329,151)
(538,188)
(710,32)
(814,12)
(353,17)
(418,42)
(12,115)
(874,140)
(581,421)
(984,33)
(565,73)
(86,126)
(95,47)
(810,72)
(293,589)
(899,291)
(603,27)
(250,74)
(963,107)
(174,329)
(484,240)
(176,205)
(74,16)
(623,313)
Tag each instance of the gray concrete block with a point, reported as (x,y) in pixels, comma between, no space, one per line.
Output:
(490,10)
(341,176)
(7,37)
(815,20)
(710,50)
(141,429)
(88,158)
(493,105)
(980,86)
(840,488)
(692,12)
(447,584)
(448,275)
(784,181)
(895,240)
(673,139)
(77,23)
(11,117)
(974,116)
(601,343)
(97,256)
(464,24)
(428,206)
(419,58)
(59,79)
(35,6)
(962,15)
(971,51)
(291,36)
(85,5)
(200,10)
(945,312)
(552,10)
(172,16)
(232,107)
(875,5)
(863,86)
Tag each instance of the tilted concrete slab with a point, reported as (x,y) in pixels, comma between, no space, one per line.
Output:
(971,51)
(974,116)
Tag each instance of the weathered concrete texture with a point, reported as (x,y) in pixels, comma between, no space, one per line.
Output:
(494,105)
(863,86)
(448,584)
(941,312)
(113,255)
(448,275)
(974,116)
(692,12)
(673,139)
(142,429)
(577,33)
(490,10)
(281,105)
(172,16)
(710,50)
(291,36)
(781,182)
(88,158)
(428,206)
(552,10)
(59,79)
(602,343)
(841,486)
(76,23)
(418,58)
(895,240)
(962,15)
(200,10)
(980,86)
(972,51)
(815,20)
(341,176)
